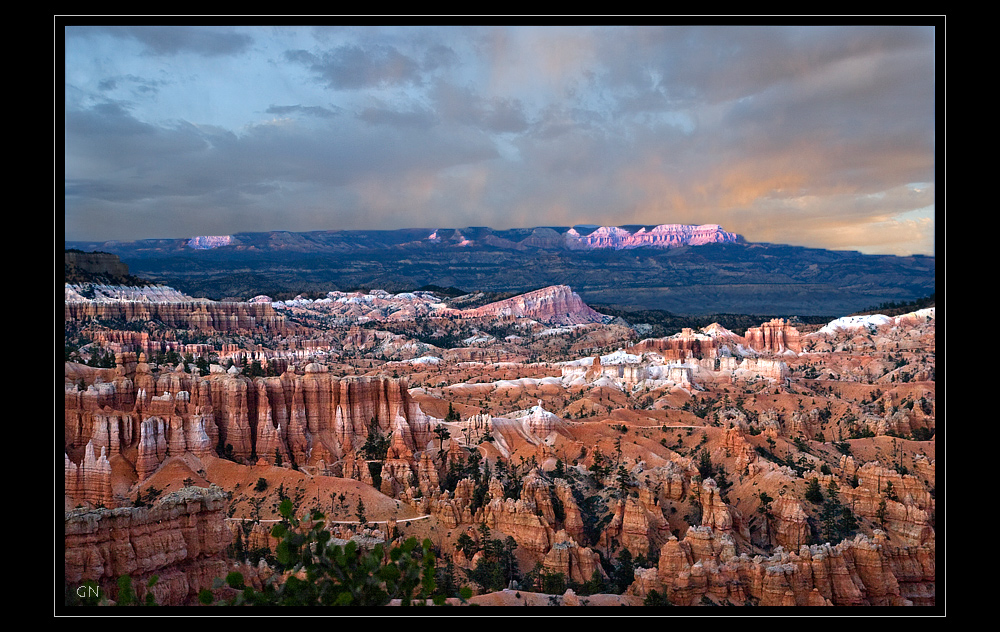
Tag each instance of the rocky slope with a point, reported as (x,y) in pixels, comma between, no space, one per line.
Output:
(557,305)
(182,540)
(860,572)
(314,419)
(169,307)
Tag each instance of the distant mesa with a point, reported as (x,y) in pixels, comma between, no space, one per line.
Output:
(207,242)
(662,236)
(683,269)
(616,237)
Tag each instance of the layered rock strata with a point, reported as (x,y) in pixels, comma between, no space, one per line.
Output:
(182,539)
(557,304)
(314,419)
(200,315)
(859,572)
(774,336)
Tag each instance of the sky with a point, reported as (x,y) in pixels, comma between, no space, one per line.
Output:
(819,136)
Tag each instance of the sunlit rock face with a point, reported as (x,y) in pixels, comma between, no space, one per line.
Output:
(301,419)
(862,571)
(557,304)
(182,539)
(207,242)
(662,236)
(167,305)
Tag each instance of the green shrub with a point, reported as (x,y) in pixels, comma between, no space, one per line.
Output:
(326,574)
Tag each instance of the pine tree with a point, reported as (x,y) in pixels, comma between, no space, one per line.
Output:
(813,492)
(360,513)
(882,513)
(830,519)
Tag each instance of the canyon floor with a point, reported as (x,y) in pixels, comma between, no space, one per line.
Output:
(551,455)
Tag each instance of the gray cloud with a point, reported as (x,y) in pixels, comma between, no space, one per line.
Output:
(310,110)
(174,40)
(114,158)
(419,118)
(136,84)
(466,106)
(353,67)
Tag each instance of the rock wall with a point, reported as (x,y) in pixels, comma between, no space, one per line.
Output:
(314,419)
(686,344)
(84,266)
(774,336)
(182,539)
(90,481)
(859,572)
(198,315)
(908,504)
(555,305)
(577,564)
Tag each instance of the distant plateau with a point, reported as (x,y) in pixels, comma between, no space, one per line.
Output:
(678,268)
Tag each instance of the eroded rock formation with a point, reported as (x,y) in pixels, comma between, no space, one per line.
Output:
(555,305)
(862,571)
(182,539)
(774,336)
(309,419)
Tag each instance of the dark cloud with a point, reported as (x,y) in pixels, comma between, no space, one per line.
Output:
(704,65)
(140,85)
(113,158)
(439,56)
(504,115)
(418,118)
(174,40)
(466,106)
(310,110)
(555,121)
(354,67)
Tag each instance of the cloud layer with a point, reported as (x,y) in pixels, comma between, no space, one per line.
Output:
(818,136)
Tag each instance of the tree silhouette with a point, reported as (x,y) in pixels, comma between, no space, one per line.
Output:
(442,434)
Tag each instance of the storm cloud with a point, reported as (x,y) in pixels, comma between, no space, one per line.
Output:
(820,136)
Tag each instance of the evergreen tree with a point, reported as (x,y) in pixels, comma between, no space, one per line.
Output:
(830,519)
(624,572)
(466,545)
(882,513)
(442,434)
(848,523)
(705,465)
(203,366)
(656,599)
(813,492)
(326,574)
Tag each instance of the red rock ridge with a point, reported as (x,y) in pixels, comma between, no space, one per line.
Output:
(198,315)
(774,336)
(863,571)
(182,539)
(313,419)
(557,304)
